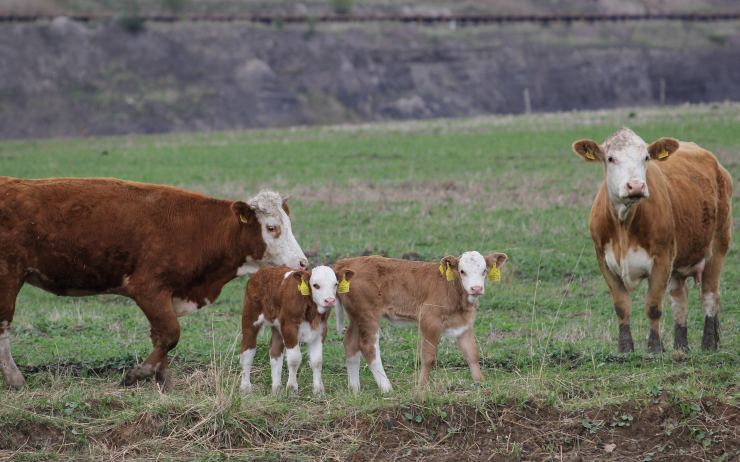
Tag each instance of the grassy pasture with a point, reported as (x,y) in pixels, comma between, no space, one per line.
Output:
(554,386)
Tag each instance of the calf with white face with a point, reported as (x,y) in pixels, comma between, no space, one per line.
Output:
(442,297)
(296,304)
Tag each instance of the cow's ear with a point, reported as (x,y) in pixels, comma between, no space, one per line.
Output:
(244,213)
(496,259)
(662,148)
(452,261)
(285,205)
(589,150)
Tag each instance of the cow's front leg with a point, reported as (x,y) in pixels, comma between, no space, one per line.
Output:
(622,307)
(165,333)
(469,348)
(657,284)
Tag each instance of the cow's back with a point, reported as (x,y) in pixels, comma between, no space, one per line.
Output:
(699,190)
(78,236)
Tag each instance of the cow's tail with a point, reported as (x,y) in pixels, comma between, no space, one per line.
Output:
(339,315)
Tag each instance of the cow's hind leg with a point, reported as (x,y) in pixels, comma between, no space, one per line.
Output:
(165,333)
(710,301)
(680,310)
(9,287)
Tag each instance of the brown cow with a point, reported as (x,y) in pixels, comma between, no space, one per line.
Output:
(170,250)
(441,302)
(297,305)
(663,214)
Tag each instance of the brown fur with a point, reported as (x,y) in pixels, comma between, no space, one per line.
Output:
(686,218)
(148,242)
(401,290)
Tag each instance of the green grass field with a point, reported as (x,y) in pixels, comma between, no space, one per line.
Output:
(555,386)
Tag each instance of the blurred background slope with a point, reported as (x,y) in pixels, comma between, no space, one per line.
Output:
(120,73)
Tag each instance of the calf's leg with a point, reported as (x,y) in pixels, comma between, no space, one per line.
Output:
(165,333)
(680,309)
(292,355)
(469,348)
(370,347)
(352,355)
(250,329)
(276,359)
(315,359)
(430,335)
(9,287)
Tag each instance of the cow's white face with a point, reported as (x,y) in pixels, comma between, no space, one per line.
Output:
(281,246)
(323,284)
(473,271)
(625,157)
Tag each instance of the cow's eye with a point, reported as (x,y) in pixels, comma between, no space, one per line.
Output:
(610,159)
(647,158)
(316,286)
(270,228)
(462,272)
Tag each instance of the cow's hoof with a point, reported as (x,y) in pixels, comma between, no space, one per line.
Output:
(710,340)
(626,345)
(680,338)
(655,346)
(137,374)
(165,381)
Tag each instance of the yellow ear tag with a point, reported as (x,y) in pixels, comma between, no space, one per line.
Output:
(590,155)
(343,286)
(441,268)
(303,288)
(495,274)
(449,274)
(243,219)
(663,154)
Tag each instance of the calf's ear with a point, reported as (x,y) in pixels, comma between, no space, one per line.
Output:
(496,259)
(452,261)
(589,150)
(298,275)
(244,213)
(347,274)
(662,148)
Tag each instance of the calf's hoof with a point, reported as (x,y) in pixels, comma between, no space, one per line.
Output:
(626,345)
(318,389)
(710,340)
(137,374)
(245,388)
(654,344)
(165,381)
(14,379)
(680,338)
(292,388)
(276,389)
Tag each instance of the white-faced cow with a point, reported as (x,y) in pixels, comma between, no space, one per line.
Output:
(170,250)
(296,304)
(663,213)
(442,297)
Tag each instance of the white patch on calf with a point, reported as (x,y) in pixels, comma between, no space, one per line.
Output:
(472,269)
(376,367)
(293,355)
(632,267)
(276,368)
(247,357)
(455,332)
(285,276)
(353,372)
(323,286)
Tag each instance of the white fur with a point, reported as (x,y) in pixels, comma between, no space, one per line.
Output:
(247,357)
(185,307)
(474,266)
(315,359)
(287,274)
(632,267)
(276,368)
(293,355)
(325,279)
(376,367)
(455,332)
(628,152)
(283,250)
(250,266)
(353,372)
(709,303)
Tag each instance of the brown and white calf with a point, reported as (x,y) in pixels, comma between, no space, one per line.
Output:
(441,302)
(168,249)
(274,297)
(662,213)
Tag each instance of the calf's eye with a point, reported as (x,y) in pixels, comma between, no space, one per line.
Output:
(462,272)
(316,286)
(647,158)
(610,159)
